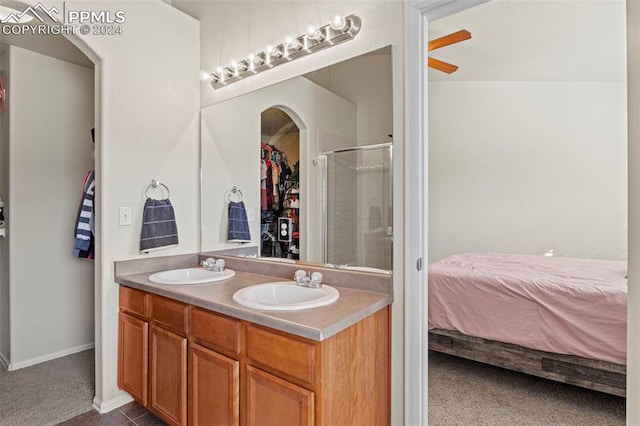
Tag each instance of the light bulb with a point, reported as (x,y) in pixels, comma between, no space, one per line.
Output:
(338,22)
(272,50)
(221,73)
(313,32)
(254,60)
(234,66)
(310,29)
(291,43)
(206,76)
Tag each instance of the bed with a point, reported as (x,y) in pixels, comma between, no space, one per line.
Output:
(555,317)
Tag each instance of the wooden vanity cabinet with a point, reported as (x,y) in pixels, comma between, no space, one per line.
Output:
(271,400)
(214,369)
(205,368)
(133,344)
(133,352)
(168,360)
(343,380)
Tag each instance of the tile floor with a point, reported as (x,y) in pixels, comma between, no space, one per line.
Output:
(131,414)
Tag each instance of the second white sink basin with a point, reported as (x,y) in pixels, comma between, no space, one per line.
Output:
(285,296)
(190,276)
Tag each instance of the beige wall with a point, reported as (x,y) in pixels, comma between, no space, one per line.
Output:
(365,81)
(528,167)
(149,130)
(50,153)
(527,140)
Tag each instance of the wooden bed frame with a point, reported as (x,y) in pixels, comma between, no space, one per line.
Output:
(588,373)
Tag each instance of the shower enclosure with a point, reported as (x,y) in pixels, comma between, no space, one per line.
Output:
(358,201)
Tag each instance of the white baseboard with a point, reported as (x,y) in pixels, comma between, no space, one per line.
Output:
(3,360)
(49,357)
(106,406)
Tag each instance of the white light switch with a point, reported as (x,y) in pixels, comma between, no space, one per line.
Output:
(251,215)
(125,216)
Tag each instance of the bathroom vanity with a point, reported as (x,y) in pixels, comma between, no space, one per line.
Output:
(191,355)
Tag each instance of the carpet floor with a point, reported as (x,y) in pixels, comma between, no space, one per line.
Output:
(463,392)
(47,393)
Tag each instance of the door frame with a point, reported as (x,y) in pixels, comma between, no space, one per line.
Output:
(418,14)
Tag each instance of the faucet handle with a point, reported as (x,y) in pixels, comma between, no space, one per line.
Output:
(210,262)
(213,265)
(299,275)
(316,278)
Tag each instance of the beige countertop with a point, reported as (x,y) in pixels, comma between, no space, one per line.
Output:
(316,323)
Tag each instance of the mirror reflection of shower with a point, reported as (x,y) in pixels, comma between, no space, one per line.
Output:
(279,185)
(358,204)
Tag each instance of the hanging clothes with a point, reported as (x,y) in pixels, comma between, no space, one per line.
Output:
(85,220)
(275,169)
(263,186)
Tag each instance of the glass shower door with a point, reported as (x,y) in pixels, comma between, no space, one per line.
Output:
(358,199)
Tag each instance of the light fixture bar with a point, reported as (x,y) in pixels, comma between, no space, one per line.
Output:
(288,51)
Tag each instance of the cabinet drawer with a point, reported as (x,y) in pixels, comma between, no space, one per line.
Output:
(135,302)
(293,357)
(218,331)
(169,313)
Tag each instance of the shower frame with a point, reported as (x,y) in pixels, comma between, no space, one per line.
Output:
(325,189)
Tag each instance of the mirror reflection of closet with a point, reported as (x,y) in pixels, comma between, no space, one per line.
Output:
(279,185)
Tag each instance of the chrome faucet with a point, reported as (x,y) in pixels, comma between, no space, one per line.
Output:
(213,265)
(314,281)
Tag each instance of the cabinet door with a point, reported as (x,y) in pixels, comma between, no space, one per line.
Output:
(133,355)
(274,401)
(168,375)
(214,388)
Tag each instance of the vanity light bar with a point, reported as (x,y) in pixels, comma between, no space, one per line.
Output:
(316,39)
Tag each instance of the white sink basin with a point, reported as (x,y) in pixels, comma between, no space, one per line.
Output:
(285,296)
(190,276)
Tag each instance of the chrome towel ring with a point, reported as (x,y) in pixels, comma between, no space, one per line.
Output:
(237,193)
(155,184)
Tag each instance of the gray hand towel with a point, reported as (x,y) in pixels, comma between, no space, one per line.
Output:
(238,223)
(159,229)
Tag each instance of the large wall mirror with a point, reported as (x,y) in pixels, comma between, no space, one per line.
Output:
(311,160)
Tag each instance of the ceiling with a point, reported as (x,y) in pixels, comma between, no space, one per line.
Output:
(536,40)
(274,121)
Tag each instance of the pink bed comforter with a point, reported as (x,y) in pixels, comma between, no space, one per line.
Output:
(554,304)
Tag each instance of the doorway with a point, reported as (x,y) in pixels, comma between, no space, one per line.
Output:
(280,195)
(48,161)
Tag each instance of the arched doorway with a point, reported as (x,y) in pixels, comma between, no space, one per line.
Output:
(280,171)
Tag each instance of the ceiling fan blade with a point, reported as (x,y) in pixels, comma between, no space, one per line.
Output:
(452,38)
(442,66)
